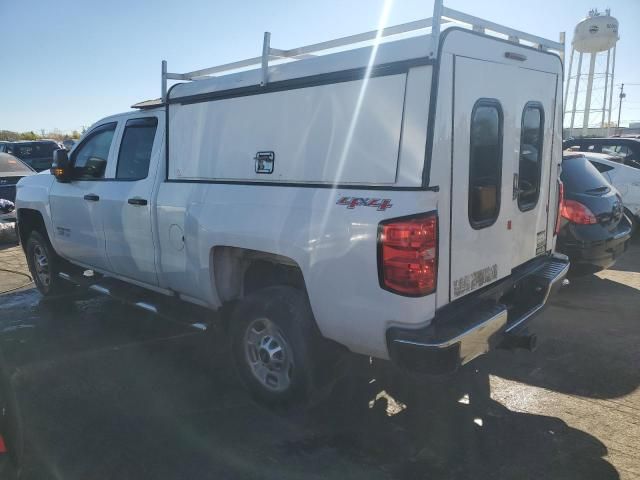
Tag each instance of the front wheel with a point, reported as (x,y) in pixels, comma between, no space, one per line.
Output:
(43,264)
(274,344)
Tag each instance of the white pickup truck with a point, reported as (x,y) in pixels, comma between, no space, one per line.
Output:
(398,199)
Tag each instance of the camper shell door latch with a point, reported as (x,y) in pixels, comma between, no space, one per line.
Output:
(264,162)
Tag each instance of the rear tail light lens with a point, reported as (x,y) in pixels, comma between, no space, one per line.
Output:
(577,213)
(408,255)
(560,203)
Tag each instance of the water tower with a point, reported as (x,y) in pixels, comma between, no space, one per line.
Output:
(596,35)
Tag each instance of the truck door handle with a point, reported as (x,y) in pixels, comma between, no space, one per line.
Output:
(92,197)
(516,186)
(137,201)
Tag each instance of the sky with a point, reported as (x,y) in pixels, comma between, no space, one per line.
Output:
(65,64)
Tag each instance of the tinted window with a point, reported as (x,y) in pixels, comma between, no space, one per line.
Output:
(579,175)
(135,149)
(12,165)
(531,137)
(601,167)
(26,151)
(485,163)
(90,159)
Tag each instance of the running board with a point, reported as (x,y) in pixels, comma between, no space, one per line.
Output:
(170,308)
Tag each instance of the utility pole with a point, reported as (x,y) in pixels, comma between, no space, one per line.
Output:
(622,95)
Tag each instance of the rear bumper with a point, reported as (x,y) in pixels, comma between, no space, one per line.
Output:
(601,253)
(472,326)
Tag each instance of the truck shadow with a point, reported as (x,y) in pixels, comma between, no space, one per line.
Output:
(107,392)
(411,428)
(588,337)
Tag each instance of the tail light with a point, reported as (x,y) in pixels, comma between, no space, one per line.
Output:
(578,213)
(560,203)
(408,254)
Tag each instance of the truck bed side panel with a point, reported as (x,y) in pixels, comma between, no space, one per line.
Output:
(335,247)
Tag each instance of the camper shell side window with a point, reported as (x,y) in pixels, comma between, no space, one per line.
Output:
(531,145)
(485,162)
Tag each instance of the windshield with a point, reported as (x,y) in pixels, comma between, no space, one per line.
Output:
(8,164)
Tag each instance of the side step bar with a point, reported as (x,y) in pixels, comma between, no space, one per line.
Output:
(169,308)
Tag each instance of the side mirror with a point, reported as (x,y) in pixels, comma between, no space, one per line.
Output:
(95,167)
(60,168)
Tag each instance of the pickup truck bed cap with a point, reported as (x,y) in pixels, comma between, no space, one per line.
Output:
(304,61)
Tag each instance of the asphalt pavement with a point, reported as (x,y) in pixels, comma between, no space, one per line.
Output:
(106,391)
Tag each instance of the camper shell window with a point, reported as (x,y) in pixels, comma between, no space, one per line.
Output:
(531,144)
(485,162)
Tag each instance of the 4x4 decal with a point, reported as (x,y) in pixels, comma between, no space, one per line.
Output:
(381,204)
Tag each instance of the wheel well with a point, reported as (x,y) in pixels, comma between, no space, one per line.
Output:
(238,272)
(28,221)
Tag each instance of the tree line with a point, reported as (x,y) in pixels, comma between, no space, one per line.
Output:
(9,136)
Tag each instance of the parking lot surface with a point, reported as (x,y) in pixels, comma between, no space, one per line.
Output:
(106,391)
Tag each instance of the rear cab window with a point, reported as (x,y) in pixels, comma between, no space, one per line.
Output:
(485,163)
(135,148)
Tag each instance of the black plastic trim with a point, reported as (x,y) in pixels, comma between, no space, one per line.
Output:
(334,186)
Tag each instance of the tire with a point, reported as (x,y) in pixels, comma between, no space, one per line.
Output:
(275,345)
(44,265)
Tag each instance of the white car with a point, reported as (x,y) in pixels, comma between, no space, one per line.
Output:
(626,179)
(370,197)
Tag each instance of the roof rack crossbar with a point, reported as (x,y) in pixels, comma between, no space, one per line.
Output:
(440,12)
(512,34)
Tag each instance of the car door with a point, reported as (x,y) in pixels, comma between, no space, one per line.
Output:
(127,212)
(78,232)
(494,229)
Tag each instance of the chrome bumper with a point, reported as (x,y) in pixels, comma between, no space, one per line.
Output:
(473,326)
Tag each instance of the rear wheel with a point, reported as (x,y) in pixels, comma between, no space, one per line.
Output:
(44,264)
(274,344)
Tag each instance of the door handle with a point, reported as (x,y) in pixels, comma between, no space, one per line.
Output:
(137,201)
(516,186)
(92,197)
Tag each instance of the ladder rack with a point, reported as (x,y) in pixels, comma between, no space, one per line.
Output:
(442,14)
